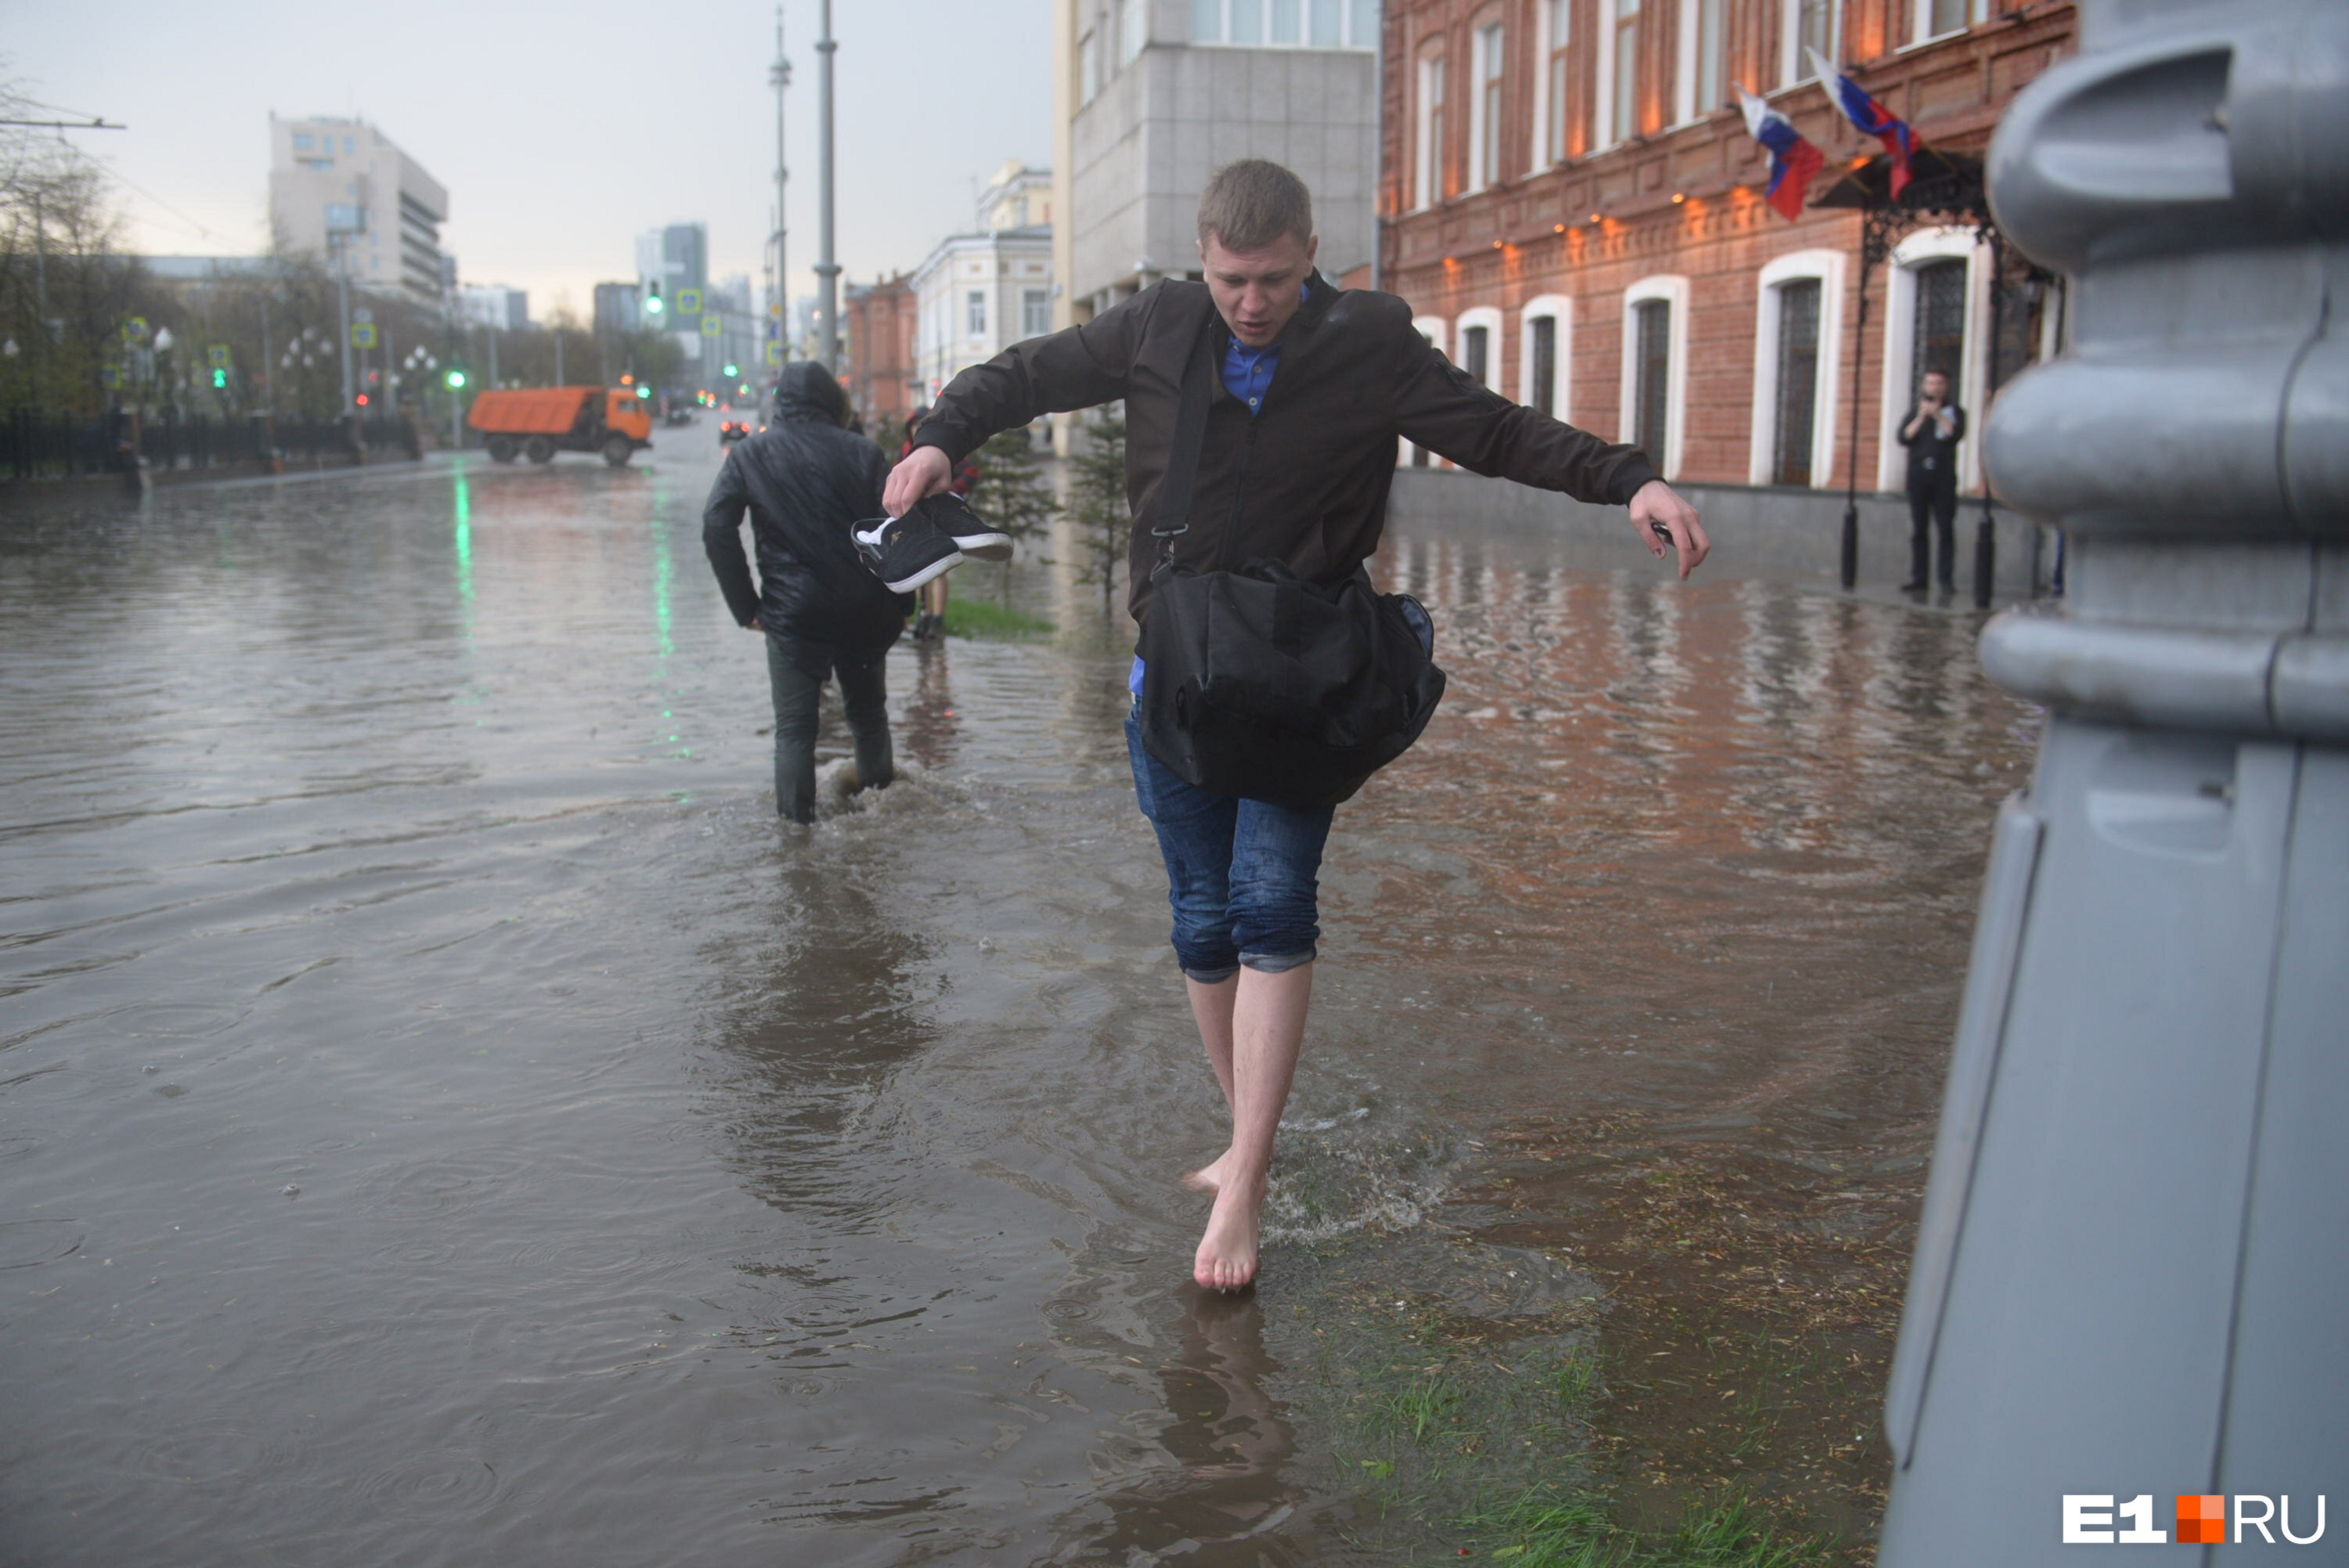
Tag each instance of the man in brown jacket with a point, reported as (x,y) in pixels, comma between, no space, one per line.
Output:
(1314,386)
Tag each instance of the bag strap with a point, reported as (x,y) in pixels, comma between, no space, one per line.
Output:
(1172,511)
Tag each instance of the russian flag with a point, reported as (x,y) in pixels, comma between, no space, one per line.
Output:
(1793,160)
(1869,118)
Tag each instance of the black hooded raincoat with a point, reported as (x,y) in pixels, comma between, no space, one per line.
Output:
(803,481)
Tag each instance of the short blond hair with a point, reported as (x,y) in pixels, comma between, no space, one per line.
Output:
(1252,202)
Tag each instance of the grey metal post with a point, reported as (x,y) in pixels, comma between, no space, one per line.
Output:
(343,295)
(2130,1274)
(827,271)
(779,74)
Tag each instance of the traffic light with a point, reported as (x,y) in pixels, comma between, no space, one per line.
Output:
(732,371)
(456,380)
(644,391)
(220,379)
(653,301)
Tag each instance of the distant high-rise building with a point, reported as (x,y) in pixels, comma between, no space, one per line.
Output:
(493,305)
(616,309)
(676,257)
(340,190)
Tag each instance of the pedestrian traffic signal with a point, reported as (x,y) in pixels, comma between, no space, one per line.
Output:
(456,380)
(220,379)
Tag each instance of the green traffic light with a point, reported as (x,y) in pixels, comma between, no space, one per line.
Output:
(219,379)
(644,391)
(456,380)
(732,371)
(653,305)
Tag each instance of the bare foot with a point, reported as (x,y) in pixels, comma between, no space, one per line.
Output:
(1227,1256)
(1207,1178)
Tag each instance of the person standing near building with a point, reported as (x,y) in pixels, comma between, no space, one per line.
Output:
(1314,388)
(805,482)
(1932,432)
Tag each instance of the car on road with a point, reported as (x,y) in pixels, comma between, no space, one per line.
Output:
(537,422)
(732,431)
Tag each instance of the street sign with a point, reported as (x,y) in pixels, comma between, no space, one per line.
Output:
(135,330)
(711,326)
(362,335)
(361,312)
(689,301)
(217,355)
(774,353)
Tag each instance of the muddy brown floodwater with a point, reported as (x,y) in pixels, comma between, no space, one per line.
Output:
(444,1120)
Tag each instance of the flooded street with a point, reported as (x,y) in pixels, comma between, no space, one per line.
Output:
(444,1118)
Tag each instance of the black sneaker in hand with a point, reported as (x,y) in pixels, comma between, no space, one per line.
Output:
(904,552)
(976,539)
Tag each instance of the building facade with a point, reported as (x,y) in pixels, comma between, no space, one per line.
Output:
(493,305)
(616,313)
(975,296)
(1152,95)
(340,190)
(1575,213)
(881,321)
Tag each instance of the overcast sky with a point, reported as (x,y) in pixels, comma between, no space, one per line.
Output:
(560,131)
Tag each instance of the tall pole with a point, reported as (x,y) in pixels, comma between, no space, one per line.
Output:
(779,303)
(827,271)
(343,297)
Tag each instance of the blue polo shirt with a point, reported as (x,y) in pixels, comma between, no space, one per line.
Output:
(1248,376)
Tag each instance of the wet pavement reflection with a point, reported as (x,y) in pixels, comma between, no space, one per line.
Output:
(443,1118)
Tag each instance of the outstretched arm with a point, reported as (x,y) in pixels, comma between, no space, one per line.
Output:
(1073,368)
(1440,407)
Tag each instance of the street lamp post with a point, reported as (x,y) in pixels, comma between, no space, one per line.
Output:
(827,270)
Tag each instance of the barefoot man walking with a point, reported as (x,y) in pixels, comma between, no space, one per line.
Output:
(1315,384)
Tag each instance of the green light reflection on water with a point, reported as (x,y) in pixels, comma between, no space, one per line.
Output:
(463,510)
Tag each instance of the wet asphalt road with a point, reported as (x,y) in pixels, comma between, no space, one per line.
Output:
(443,1118)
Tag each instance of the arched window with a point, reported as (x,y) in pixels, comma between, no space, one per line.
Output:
(1934,311)
(1478,334)
(1797,339)
(1545,354)
(1655,369)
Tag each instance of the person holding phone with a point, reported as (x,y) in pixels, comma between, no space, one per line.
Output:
(1932,432)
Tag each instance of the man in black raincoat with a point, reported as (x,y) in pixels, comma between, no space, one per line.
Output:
(803,481)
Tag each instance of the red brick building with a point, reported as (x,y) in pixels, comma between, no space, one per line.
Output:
(1563,178)
(881,376)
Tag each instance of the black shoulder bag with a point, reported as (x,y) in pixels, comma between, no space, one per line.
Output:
(1259,684)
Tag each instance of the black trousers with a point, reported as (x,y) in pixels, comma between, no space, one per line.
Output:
(862,692)
(1933,507)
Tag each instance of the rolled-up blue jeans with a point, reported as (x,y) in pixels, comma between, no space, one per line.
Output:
(1242,875)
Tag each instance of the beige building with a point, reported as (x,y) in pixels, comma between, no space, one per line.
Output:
(339,190)
(977,294)
(1152,94)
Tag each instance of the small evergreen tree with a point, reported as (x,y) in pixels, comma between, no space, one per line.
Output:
(1010,493)
(1097,504)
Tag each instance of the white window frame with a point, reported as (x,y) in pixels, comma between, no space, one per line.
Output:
(1349,15)
(1435,329)
(1546,103)
(1827,267)
(1791,64)
(1602,101)
(1899,350)
(1920,23)
(974,298)
(1488,317)
(1686,111)
(1673,288)
(1489,51)
(1427,180)
(1559,309)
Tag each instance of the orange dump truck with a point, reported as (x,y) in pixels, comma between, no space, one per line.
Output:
(539,421)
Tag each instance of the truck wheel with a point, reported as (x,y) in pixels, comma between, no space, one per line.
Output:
(618,449)
(539,450)
(501,448)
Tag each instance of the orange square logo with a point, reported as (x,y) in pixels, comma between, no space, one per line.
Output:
(2201,1519)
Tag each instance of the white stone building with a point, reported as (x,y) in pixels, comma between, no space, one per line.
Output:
(339,190)
(977,294)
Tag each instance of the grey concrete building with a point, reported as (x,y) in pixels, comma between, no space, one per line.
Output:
(1155,94)
(339,190)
